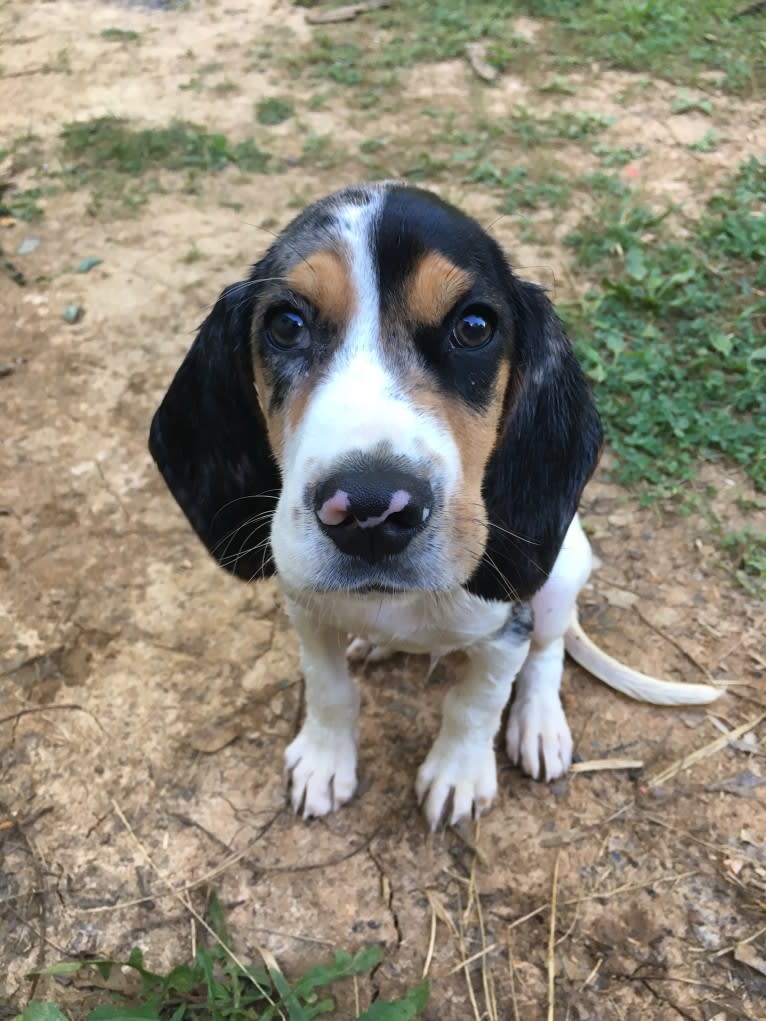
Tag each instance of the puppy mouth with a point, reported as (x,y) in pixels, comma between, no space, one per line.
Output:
(378,588)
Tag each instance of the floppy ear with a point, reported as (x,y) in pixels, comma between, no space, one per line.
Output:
(210,442)
(548,447)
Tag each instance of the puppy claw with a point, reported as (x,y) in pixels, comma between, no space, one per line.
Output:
(321,771)
(361,651)
(538,737)
(456,782)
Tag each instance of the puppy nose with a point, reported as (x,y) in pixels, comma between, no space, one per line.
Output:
(373,514)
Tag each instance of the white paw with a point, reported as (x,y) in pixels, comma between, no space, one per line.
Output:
(320,765)
(538,736)
(460,774)
(361,651)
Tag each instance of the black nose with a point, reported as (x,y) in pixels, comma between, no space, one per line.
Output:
(371,512)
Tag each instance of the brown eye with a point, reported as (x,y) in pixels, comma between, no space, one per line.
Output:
(474,328)
(286,329)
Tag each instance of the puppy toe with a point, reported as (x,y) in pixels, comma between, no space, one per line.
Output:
(538,737)
(358,650)
(321,771)
(456,782)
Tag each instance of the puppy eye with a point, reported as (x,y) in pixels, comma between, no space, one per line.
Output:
(474,328)
(286,329)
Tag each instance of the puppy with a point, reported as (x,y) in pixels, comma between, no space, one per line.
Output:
(388,418)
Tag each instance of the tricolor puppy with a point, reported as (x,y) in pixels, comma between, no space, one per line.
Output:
(390,420)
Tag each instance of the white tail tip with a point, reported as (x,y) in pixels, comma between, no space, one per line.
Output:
(632,683)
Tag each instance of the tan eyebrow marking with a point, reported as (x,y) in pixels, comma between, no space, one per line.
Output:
(324,280)
(434,288)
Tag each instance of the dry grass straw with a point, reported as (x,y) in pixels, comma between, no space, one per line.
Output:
(552,942)
(601,765)
(604,894)
(712,748)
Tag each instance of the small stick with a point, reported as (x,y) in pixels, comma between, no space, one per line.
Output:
(600,765)
(552,943)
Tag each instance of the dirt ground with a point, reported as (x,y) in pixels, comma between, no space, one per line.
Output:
(148,697)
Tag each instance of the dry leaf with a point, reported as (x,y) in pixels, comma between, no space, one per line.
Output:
(213,739)
(745,953)
(477,58)
(347,13)
(619,597)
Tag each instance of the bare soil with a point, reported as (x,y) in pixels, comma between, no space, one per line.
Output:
(142,685)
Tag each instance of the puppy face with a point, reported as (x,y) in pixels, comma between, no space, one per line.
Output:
(382,347)
(412,406)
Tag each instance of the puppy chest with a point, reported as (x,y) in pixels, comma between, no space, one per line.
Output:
(429,623)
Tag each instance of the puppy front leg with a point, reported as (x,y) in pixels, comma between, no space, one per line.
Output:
(321,762)
(460,768)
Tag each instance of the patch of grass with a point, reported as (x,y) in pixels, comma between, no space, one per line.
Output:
(672,39)
(120,35)
(561,125)
(320,151)
(678,40)
(23,205)
(684,103)
(217,987)
(557,86)
(673,336)
(599,183)
(112,143)
(27,151)
(747,552)
(274,110)
(521,192)
(225,88)
(708,142)
(619,156)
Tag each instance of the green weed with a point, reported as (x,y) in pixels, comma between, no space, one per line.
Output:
(617,157)
(674,334)
(23,205)
(120,35)
(320,151)
(746,550)
(708,142)
(217,987)
(684,103)
(274,110)
(561,125)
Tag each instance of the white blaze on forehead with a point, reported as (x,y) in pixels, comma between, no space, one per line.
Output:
(357,225)
(358,405)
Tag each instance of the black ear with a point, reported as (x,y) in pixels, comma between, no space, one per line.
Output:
(209,440)
(548,446)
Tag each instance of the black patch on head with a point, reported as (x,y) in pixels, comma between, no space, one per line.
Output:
(550,436)
(413,223)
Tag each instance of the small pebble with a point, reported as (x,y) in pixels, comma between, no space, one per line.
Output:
(72,314)
(88,264)
(27,246)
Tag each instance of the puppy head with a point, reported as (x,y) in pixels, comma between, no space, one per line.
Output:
(382,406)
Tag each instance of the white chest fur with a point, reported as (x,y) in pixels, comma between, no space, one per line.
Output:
(424,622)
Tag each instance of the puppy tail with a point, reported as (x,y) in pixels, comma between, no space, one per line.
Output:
(584,651)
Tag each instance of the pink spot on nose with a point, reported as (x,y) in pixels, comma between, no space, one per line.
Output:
(335,510)
(399,501)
